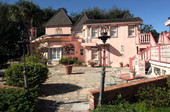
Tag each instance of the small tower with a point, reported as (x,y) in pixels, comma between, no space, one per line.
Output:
(33,33)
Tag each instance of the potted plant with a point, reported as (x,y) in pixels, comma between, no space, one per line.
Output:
(121,64)
(92,63)
(67,62)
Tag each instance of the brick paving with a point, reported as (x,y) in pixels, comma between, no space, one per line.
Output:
(69,93)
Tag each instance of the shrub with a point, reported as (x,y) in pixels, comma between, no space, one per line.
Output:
(154,96)
(3,56)
(36,74)
(17,100)
(121,105)
(34,59)
(168,81)
(67,60)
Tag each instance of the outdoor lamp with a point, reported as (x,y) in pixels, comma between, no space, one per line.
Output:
(104,38)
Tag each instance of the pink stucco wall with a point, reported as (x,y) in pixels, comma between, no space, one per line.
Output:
(115,54)
(57,30)
(76,44)
(83,40)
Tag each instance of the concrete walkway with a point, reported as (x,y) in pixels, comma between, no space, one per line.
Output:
(69,93)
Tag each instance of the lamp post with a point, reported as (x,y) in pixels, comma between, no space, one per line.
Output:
(104,38)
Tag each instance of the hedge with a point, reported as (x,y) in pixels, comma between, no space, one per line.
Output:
(37,74)
(17,100)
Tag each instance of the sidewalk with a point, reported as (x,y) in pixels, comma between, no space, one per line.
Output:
(69,93)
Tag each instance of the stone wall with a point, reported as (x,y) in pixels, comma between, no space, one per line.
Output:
(127,90)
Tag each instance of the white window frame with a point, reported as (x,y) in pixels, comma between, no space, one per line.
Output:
(53,52)
(94,30)
(113,31)
(95,55)
(132,30)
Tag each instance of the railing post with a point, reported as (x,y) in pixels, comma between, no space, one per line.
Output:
(150,52)
(159,51)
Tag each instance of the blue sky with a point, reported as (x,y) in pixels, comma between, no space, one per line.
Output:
(155,12)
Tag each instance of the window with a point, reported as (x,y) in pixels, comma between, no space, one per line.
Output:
(55,53)
(95,55)
(132,30)
(94,32)
(122,48)
(113,31)
(81,52)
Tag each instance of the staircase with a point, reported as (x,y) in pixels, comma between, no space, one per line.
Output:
(153,51)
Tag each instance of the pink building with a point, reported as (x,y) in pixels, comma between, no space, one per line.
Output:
(82,41)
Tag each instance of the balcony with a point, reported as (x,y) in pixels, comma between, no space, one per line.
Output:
(143,38)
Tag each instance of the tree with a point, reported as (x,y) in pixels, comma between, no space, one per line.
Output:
(97,13)
(8,31)
(149,28)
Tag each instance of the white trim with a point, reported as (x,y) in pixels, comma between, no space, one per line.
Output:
(56,46)
(160,64)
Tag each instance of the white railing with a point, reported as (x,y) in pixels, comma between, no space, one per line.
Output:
(165,53)
(144,38)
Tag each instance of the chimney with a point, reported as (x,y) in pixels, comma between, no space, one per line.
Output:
(33,33)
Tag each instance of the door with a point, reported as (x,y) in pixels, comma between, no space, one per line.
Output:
(55,54)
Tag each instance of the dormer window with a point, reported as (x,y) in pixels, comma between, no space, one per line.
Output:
(131,30)
(113,31)
(94,32)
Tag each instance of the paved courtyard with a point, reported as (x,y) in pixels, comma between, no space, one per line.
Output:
(69,93)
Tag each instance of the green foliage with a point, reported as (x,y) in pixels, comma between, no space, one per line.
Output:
(70,60)
(17,100)
(3,56)
(168,81)
(34,59)
(151,99)
(36,73)
(154,96)
(121,105)
(67,60)
(149,28)
(97,13)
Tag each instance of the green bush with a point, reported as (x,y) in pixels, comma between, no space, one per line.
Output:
(3,56)
(67,60)
(154,96)
(121,105)
(168,81)
(36,73)
(34,59)
(70,60)
(17,100)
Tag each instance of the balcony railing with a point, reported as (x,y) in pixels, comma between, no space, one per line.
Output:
(159,53)
(144,38)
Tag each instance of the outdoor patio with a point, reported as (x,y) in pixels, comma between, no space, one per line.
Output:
(65,93)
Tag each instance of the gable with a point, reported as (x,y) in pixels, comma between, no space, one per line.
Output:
(78,26)
(59,19)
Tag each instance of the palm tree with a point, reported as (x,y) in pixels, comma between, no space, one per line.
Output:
(24,12)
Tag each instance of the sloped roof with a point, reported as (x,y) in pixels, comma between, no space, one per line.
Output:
(95,21)
(59,19)
(78,26)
